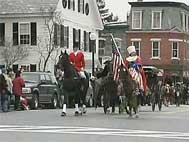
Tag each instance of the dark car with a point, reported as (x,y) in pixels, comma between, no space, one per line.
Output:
(41,88)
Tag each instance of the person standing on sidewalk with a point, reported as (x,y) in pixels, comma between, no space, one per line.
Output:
(4,91)
(18,84)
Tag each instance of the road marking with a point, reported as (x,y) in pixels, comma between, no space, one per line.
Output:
(94,131)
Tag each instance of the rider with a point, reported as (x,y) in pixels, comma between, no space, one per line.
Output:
(77,59)
(135,62)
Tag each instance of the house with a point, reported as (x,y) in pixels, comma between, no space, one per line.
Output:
(48,26)
(160,33)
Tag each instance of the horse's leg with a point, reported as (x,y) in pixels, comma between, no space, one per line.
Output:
(84,89)
(64,104)
(77,99)
(130,111)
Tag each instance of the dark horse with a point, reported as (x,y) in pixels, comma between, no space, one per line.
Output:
(72,84)
(130,88)
(106,88)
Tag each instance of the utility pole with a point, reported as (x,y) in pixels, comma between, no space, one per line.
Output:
(93,38)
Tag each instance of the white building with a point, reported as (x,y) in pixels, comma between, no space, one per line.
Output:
(24,23)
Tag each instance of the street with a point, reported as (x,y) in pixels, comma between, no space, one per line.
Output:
(47,125)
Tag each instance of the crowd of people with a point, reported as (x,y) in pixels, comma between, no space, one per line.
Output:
(11,84)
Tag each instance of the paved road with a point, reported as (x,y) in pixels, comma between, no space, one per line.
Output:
(172,124)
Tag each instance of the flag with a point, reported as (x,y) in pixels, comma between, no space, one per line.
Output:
(136,75)
(117,60)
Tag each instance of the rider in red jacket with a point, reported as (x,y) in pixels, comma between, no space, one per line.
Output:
(77,59)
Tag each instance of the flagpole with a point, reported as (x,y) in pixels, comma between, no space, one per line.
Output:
(116,46)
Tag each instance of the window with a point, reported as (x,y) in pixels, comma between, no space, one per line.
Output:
(61,36)
(33,67)
(2,34)
(15,33)
(102,42)
(33,34)
(137,46)
(66,37)
(175,49)
(156,19)
(81,6)
(183,21)
(24,33)
(25,67)
(86,41)
(137,20)
(155,49)
(42,77)
(76,36)
(48,78)
(71,4)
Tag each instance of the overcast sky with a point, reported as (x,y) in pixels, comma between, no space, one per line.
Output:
(121,7)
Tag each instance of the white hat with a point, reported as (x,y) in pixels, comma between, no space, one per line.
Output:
(131,49)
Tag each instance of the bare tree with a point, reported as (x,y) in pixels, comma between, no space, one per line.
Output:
(47,46)
(12,54)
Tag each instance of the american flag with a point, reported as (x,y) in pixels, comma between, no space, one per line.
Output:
(137,77)
(117,60)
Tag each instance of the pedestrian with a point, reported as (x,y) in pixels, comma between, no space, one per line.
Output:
(9,79)
(18,84)
(3,91)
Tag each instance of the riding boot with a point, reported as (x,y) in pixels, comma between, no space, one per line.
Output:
(64,110)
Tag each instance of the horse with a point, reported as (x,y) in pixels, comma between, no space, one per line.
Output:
(72,85)
(105,88)
(131,91)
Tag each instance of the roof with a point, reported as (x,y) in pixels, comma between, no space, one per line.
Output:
(26,6)
(116,24)
(159,4)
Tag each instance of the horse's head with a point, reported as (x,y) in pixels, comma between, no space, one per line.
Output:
(63,60)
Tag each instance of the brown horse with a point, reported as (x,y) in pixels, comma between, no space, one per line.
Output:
(131,91)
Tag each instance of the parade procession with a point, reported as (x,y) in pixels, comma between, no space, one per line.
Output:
(94,70)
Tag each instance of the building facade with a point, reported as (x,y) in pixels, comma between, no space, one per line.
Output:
(160,33)
(44,26)
(117,29)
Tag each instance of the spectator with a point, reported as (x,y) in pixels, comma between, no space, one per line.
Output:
(18,84)
(3,91)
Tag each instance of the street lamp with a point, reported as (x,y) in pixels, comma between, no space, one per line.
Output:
(93,38)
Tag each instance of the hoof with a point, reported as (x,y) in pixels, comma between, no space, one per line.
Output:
(63,114)
(78,113)
(137,116)
(84,111)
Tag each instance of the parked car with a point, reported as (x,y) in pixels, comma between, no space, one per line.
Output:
(41,88)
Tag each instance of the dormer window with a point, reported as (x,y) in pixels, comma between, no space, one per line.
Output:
(136,19)
(156,19)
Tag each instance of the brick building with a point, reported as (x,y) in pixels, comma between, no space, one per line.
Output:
(160,32)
